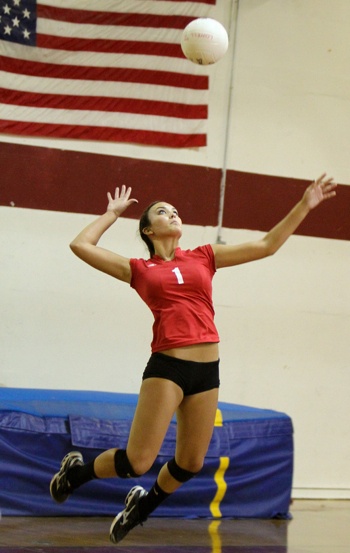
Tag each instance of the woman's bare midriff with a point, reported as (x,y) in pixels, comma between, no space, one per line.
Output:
(202,353)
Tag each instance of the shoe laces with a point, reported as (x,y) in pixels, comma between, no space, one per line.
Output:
(126,515)
(63,482)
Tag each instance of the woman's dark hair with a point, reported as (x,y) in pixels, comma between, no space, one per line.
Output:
(143,223)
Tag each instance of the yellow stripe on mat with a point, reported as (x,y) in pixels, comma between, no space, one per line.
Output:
(218,418)
(219,476)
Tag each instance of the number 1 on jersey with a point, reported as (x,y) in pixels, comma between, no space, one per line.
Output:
(178,275)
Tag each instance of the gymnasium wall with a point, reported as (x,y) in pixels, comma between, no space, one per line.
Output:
(279,116)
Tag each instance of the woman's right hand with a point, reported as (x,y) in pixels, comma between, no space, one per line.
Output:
(121,200)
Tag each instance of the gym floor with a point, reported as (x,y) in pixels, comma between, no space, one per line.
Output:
(315,527)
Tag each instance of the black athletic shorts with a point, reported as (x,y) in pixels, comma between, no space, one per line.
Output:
(193,377)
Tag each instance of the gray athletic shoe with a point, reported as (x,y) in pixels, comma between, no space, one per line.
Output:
(60,488)
(127,519)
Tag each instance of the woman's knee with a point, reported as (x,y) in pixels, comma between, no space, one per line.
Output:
(185,469)
(128,467)
(140,462)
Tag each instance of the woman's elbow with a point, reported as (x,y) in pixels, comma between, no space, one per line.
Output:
(75,247)
(269,248)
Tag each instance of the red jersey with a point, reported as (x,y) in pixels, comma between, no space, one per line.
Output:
(179,294)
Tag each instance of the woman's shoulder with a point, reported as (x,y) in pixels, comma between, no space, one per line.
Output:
(198,250)
(140,262)
(202,254)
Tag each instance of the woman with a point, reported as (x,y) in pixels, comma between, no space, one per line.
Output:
(182,375)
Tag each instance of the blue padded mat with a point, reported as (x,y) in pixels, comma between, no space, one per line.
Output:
(38,427)
(104,405)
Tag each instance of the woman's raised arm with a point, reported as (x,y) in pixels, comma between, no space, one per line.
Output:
(321,189)
(85,244)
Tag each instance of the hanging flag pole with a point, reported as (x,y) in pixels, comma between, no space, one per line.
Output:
(232,38)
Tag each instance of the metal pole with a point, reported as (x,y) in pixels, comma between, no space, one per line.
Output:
(232,38)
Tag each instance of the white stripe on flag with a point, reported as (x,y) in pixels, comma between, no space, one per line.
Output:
(101,119)
(110,32)
(45,85)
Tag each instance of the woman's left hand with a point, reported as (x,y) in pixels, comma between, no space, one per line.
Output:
(321,189)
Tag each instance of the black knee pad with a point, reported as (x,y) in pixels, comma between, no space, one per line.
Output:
(181,475)
(123,466)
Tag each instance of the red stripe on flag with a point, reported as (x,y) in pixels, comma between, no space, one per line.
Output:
(135,47)
(151,138)
(117,74)
(113,18)
(97,103)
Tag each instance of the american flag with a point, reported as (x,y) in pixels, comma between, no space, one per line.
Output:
(109,70)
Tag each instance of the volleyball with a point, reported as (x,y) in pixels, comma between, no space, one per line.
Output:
(204,41)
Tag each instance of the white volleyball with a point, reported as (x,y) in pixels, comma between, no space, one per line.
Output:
(204,41)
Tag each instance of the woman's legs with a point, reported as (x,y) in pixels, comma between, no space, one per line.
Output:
(195,423)
(158,400)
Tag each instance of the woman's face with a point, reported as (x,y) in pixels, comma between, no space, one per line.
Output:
(164,220)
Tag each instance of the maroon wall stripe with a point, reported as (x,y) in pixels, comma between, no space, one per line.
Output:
(60,180)
(258,202)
